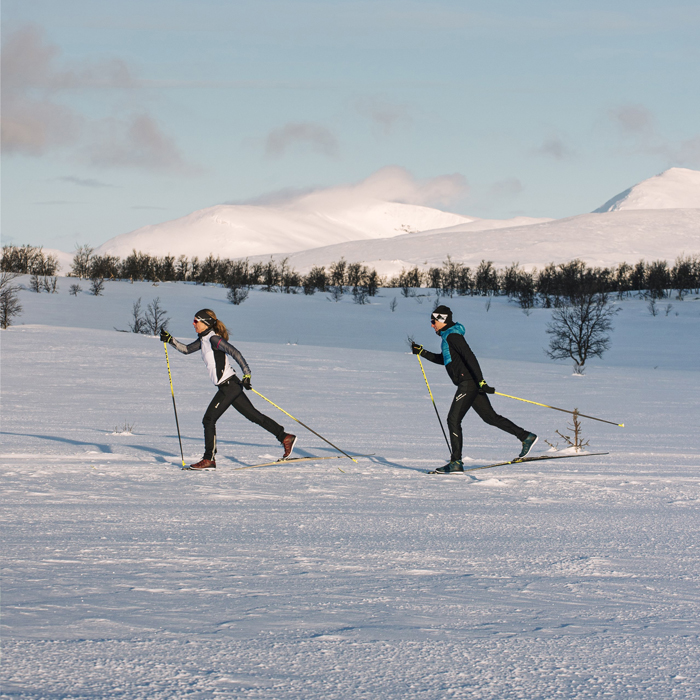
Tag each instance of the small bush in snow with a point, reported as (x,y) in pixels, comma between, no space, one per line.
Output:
(575,440)
(97,285)
(9,299)
(237,294)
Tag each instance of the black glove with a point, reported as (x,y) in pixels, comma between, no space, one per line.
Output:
(484,388)
(415,348)
(246,382)
(165,336)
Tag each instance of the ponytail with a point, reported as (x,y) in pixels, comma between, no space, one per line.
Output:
(220,329)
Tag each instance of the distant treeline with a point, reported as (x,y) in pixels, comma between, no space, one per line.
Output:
(655,280)
(28,260)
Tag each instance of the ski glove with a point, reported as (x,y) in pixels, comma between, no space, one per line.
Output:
(246,382)
(415,348)
(165,336)
(484,388)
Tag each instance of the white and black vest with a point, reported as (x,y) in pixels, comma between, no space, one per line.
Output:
(217,363)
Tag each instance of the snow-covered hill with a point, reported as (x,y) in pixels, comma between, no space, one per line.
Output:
(235,231)
(658,218)
(598,239)
(676,188)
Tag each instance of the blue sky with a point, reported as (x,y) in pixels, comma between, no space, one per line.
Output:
(121,114)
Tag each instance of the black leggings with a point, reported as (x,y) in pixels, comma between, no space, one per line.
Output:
(467,396)
(231,394)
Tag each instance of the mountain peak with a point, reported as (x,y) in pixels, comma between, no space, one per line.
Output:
(675,188)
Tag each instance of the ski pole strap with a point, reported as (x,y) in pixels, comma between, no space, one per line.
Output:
(563,410)
(172,393)
(304,425)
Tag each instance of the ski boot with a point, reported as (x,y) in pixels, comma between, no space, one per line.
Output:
(203,464)
(455,465)
(528,444)
(288,442)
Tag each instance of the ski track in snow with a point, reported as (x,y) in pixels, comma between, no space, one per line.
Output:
(124,577)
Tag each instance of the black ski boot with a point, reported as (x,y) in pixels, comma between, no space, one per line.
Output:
(528,444)
(455,465)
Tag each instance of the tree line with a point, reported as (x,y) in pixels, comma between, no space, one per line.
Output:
(654,280)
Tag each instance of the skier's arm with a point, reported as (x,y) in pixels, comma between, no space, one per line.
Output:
(435,357)
(218,343)
(185,349)
(460,346)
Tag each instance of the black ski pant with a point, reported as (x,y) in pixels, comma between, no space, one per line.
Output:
(231,394)
(467,396)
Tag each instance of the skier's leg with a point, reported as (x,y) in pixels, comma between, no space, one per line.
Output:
(221,401)
(485,411)
(244,406)
(462,402)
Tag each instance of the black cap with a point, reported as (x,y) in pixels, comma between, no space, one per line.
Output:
(442,313)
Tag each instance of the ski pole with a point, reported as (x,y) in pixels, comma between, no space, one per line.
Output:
(563,410)
(433,400)
(172,392)
(304,424)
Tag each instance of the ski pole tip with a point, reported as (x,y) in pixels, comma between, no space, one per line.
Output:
(621,425)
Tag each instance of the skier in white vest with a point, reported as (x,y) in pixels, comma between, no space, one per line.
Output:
(213,342)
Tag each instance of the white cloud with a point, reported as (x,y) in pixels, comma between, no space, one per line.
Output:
(37,116)
(314,137)
(382,113)
(554,147)
(135,142)
(638,126)
(396,184)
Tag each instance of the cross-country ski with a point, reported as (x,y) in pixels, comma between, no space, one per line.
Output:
(521,460)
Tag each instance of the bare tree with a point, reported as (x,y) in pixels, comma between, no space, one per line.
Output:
(97,285)
(9,299)
(155,319)
(75,289)
(50,284)
(81,261)
(138,322)
(579,329)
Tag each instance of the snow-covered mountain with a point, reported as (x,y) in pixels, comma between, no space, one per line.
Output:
(598,239)
(658,218)
(676,188)
(235,231)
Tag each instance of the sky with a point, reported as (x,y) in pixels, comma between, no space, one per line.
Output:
(122,114)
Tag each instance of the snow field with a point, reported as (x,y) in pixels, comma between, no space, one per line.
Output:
(126,577)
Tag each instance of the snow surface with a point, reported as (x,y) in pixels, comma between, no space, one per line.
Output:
(676,188)
(124,577)
(597,239)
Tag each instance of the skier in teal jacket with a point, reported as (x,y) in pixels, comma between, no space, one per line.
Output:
(464,371)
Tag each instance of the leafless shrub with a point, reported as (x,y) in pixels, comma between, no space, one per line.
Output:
(97,285)
(9,299)
(155,319)
(575,440)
